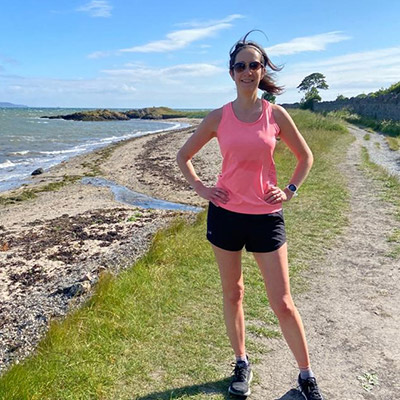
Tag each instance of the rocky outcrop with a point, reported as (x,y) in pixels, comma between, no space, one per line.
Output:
(110,115)
(154,113)
(95,115)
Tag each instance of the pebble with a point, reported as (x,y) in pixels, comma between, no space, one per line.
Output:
(26,314)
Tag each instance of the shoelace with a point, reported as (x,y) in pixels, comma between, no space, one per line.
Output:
(240,372)
(312,387)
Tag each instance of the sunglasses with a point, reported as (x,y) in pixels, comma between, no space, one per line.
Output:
(241,66)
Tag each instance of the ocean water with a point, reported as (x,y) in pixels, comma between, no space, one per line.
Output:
(28,142)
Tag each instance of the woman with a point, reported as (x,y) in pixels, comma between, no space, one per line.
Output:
(245,208)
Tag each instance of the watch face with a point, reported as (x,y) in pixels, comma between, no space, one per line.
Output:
(292,187)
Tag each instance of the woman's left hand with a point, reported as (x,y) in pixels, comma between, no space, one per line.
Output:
(275,195)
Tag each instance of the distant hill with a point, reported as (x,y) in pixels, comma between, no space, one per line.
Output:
(11,105)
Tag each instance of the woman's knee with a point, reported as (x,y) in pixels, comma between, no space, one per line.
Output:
(284,307)
(234,295)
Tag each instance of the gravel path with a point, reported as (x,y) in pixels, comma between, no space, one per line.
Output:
(350,311)
(378,150)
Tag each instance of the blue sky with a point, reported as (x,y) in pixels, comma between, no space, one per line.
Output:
(115,53)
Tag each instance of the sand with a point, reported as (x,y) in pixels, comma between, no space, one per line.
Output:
(53,247)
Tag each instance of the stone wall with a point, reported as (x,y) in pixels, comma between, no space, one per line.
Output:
(381,107)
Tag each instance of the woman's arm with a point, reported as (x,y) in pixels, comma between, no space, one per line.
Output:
(203,134)
(297,145)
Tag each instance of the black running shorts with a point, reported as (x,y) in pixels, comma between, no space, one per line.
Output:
(259,233)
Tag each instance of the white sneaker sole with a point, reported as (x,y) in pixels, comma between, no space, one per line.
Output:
(242,394)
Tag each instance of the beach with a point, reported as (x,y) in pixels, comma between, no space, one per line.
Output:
(54,247)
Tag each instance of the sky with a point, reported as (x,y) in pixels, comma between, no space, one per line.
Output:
(131,54)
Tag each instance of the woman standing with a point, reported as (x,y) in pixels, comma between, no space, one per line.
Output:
(245,208)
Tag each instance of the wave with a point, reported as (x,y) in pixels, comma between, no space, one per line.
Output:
(16,165)
(10,164)
(54,152)
(19,153)
(7,164)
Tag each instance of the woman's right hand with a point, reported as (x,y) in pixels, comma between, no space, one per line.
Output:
(214,194)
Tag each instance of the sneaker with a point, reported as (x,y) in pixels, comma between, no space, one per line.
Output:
(242,376)
(309,389)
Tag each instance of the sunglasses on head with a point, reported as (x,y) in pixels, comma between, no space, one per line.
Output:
(241,66)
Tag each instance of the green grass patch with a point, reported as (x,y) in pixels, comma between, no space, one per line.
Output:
(388,127)
(394,253)
(390,186)
(367,136)
(145,334)
(135,216)
(196,113)
(395,236)
(262,331)
(393,143)
(29,194)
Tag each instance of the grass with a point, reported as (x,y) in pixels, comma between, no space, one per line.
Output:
(368,381)
(158,321)
(29,194)
(388,127)
(390,186)
(391,129)
(393,143)
(196,113)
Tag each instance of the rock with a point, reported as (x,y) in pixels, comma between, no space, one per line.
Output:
(87,278)
(77,289)
(38,171)
(110,115)
(95,115)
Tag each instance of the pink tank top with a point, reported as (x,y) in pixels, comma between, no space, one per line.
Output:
(248,167)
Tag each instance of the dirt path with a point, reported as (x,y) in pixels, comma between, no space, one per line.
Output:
(351,310)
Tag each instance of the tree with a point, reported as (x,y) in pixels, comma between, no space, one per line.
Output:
(310,85)
(269,97)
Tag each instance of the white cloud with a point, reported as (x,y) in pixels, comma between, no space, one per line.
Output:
(97,8)
(99,54)
(141,73)
(349,74)
(132,85)
(179,39)
(202,24)
(193,70)
(306,43)
(360,60)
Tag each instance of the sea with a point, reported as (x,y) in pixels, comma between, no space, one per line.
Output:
(28,142)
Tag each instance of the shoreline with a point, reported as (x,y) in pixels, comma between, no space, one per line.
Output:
(53,247)
(51,157)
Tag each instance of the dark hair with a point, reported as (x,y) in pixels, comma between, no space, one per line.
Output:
(267,83)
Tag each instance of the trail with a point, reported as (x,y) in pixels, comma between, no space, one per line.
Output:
(351,309)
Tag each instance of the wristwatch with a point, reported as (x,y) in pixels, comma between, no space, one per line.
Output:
(292,188)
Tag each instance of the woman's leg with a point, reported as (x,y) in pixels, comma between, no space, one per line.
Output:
(275,271)
(230,269)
